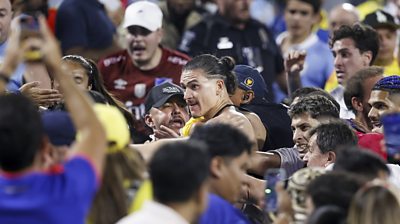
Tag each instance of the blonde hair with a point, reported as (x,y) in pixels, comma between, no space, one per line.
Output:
(374,204)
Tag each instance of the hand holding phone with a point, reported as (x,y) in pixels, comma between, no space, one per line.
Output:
(272,177)
(29,25)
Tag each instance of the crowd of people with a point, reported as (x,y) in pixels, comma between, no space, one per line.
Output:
(210,112)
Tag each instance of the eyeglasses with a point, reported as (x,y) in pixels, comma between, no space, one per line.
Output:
(138,31)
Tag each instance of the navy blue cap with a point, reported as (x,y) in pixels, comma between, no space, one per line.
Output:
(250,79)
(58,127)
(388,83)
(159,95)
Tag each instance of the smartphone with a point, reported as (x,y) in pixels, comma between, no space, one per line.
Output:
(29,25)
(272,177)
(391,130)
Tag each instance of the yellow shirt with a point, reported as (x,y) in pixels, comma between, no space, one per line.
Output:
(392,69)
(145,193)
(187,129)
(368,7)
(331,83)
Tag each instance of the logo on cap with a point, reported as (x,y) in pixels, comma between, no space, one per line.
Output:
(170,89)
(381,17)
(249,82)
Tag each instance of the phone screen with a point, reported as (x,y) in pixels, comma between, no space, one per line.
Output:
(272,177)
(29,23)
(391,128)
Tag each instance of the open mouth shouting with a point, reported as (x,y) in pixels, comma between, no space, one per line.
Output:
(194,107)
(176,122)
(302,149)
(137,50)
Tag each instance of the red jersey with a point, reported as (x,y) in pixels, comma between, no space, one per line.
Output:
(372,142)
(131,85)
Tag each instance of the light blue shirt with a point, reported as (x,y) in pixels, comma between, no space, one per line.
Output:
(318,66)
(16,79)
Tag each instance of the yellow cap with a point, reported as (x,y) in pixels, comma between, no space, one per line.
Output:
(115,125)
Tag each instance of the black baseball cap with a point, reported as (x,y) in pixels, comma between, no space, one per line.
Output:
(159,95)
(381,19)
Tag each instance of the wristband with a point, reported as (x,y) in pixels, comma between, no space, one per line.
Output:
(4,77)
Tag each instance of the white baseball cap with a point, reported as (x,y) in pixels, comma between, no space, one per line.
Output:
(145,14)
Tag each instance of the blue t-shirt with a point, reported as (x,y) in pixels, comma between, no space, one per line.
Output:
(318,65)
(83,23)
(17,76)
(220,211)
(60,196)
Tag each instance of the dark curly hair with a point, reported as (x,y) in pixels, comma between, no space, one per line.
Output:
(311,91)
(316,106)
(365,38)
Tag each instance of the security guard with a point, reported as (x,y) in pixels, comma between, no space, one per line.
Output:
(231,32)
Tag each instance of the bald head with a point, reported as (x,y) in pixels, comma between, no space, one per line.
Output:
(237,12)
(344,14)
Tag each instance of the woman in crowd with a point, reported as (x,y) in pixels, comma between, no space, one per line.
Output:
(375,204)
(87,76)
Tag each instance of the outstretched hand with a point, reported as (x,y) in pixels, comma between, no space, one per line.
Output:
(294,62)
(17,47)
(42,97)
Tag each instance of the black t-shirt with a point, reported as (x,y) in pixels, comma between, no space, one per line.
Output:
(276,121)
(254,45)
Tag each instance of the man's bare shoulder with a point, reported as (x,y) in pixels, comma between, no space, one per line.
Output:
(228,116)
(236,119)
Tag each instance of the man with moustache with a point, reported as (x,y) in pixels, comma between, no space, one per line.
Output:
(165,107)
(131,73)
